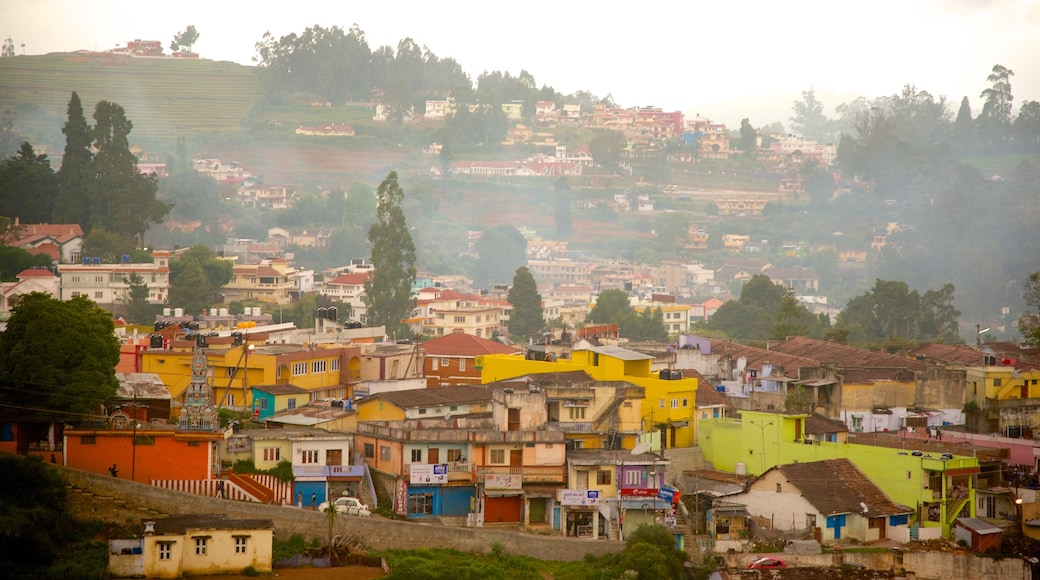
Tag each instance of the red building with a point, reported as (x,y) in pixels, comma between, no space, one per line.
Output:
(450,359)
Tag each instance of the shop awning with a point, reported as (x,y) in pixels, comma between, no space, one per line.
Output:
(504,493)
(646,503)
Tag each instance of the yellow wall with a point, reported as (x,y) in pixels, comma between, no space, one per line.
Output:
(607,368)
(859,396)
(378,409)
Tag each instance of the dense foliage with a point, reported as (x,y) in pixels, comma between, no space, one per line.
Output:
(58,358)
(613,306)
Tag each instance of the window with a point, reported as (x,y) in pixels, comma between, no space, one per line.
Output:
(88,440)
(229,400)
(420,503)
(997,382)
(460,319)
(603,477)
(370,450)
(454,455)
(291,403)
(416,455)
(675,403)
(200,546)
(75,294)
(384,453)
(240,544)
(319,366)
(660,403)
(299,368)
(462,364)
(99,279)
(99,295)
(263,404)
(230,371)
(309,456)
(165,550)
(444,361)
(272,454)
(685,402)
(334,364)
(633,477)
(577,413)
(498,456)
(435,363)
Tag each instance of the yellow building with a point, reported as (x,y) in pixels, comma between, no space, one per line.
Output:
(669,403)
(324,371)
(194,545)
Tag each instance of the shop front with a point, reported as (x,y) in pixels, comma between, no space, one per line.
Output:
(581,513)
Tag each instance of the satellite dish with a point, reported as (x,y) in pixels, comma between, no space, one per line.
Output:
(641,448)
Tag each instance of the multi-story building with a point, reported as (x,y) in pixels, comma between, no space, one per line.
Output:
(450,359)
(349,289)
(108,284)
(62,242)
(712,138)
(270,281)
(561,272)
(450,311)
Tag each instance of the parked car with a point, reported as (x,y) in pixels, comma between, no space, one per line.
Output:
(350,506)
(767,564)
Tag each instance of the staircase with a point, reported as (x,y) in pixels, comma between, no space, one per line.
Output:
(257,491)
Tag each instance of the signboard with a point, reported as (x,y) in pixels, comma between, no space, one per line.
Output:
(666,494)
(401,498)
(512,481)
(639,491)
(579,497)
(426,473)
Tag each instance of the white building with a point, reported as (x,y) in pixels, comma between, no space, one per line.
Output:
(107,284)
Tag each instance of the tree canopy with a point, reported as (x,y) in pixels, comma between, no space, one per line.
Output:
(196,277)
(388,293)
(500,251)
(58,358)
(613,306)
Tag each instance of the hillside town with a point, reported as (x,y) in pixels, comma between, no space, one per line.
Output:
(370,363)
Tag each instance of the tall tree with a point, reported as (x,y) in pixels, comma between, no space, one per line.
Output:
(28,186)
(748,142)
(138,309)
(58,358)
(995,119)
(72,205)
(527,317)
(388,293)
(121,198)
(809,121)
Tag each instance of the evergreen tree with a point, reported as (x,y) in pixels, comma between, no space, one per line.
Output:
(527,316)
(196,277)
(121,198)
(71,206)
(27,186)
(388,293)
(138,309)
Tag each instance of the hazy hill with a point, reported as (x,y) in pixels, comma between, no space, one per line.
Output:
(164,97)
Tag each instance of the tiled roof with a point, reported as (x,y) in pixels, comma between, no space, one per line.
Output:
(835,486)
(757,357)
(36,273)
(416,398)
(351,279)
(962,354)
(281,389)
(817,423)
(458,344)
(844,355)
(181,524)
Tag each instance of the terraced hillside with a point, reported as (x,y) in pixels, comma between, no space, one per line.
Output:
(164,97)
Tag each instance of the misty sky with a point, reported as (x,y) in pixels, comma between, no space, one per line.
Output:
(723,60)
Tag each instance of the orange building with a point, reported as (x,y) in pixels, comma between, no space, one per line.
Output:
(150,452)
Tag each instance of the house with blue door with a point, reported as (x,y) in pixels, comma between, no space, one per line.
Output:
(831,500)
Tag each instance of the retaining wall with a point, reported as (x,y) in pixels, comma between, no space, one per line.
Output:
(377,533)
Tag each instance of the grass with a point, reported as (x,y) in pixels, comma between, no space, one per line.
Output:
(164,98)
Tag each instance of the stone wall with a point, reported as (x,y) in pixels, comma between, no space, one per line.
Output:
(376,532)
(923,565)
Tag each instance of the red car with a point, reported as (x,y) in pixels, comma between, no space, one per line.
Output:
(767,564)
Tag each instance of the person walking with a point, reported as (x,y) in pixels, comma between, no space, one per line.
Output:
(220,489)
(314,501)
(113,471)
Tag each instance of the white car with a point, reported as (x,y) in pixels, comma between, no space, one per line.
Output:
(350,506)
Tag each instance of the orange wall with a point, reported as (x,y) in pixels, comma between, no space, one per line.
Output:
(169,458)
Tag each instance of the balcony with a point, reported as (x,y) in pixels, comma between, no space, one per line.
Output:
(571,426)
(328,471)
(529,473)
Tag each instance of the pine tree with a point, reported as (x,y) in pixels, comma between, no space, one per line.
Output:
(121,198)
(527,316)
(71,206)
(388,294)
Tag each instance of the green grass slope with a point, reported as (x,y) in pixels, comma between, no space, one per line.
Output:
(163,97)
